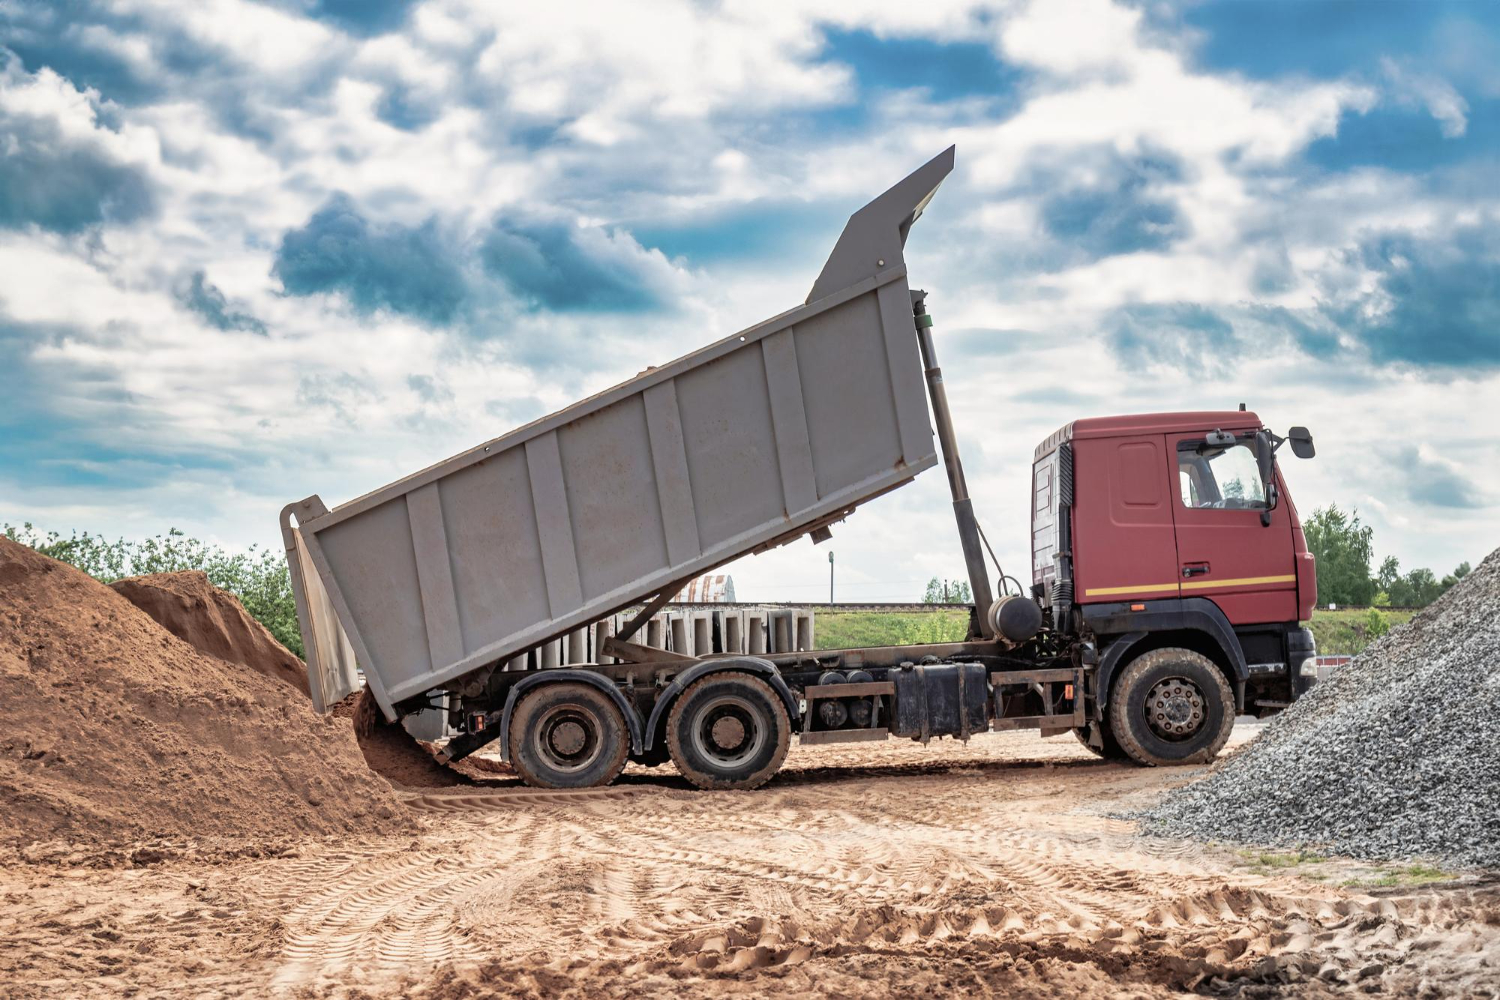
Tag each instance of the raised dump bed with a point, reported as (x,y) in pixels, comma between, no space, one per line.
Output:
(750,442)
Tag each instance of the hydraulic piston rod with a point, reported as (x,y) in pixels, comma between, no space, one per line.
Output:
(963,507)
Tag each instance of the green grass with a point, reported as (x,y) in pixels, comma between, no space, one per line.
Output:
(1265,859)
(1337,632)
(1348,632)
(1407,875)
(853,629)
(1316,867)
(1268,862)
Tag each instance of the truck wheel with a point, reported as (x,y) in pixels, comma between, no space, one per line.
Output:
(568,735)
(1171,706)
(1112,749)
(728,730)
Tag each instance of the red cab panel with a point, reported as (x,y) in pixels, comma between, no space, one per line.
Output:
(1124,547)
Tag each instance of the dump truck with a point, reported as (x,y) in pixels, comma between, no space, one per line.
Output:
(1170,575)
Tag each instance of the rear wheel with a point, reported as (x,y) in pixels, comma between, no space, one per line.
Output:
(728,730)
(1171,706)
(568,735)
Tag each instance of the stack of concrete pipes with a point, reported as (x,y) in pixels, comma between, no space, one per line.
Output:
(691,630)
(698,630)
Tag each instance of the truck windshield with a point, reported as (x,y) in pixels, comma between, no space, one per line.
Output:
(1227,478)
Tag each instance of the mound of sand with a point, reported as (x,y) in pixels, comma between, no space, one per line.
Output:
(212,621)
(1397,755)
(113,729)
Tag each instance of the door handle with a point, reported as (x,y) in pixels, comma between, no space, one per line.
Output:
(1194,569)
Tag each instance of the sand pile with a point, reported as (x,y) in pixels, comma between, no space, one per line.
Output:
(1397,755)
(112,729)
(212,621)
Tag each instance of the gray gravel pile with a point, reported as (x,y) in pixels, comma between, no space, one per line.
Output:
(1397,755)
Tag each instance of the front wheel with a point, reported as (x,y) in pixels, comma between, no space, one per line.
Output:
(728,730)
(568,735)
(1171,706)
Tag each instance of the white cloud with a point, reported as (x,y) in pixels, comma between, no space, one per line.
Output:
(672,111)
(1091,37)
(1410,86)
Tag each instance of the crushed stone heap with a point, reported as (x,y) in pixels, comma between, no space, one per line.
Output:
(212,621)
(113,729)
(1397,755)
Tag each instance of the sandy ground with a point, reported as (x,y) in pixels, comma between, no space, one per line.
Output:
(867,870)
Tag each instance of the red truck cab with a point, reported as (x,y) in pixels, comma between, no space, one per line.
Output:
(1176,530)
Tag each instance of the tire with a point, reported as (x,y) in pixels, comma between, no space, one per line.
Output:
(1112,749)
(1189,722)
(568,735)
(728,730)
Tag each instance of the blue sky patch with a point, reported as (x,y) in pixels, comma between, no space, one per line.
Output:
(1322,38)
(1408,139)
(751,230)
(948,70)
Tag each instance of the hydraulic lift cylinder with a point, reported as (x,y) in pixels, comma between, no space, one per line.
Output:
(963,507)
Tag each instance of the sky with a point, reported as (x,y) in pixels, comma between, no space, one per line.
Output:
(251,251)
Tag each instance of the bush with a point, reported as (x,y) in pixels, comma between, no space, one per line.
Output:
(1376,623)
(259,577)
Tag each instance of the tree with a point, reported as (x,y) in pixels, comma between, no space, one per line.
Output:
(1390,573)
(947,592)
(1415,589)
(1461,571)
(1343,548)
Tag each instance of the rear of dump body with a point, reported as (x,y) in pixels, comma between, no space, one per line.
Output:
(750,441)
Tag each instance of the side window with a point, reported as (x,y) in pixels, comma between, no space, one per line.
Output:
(1221,478)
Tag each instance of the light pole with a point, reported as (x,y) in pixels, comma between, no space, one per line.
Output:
(830,576)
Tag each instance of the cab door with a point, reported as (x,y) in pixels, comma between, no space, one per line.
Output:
(1224,551)
(1123,545)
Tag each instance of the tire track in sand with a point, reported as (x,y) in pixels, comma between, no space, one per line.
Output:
(649,883)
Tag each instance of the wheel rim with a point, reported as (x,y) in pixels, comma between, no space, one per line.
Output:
(728,731)
(568,738)
(1176,709)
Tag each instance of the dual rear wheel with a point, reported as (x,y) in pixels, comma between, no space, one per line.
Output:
(726,730)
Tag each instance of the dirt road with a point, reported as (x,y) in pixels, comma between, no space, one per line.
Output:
(870,870)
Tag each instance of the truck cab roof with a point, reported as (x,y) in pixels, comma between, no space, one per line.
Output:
(1148,423)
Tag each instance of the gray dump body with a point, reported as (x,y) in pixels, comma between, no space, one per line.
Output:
(744,444)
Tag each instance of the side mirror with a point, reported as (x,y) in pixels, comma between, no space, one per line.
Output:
(1302,442)
(1265,459)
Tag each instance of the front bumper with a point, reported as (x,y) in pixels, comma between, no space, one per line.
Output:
(1302,660)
